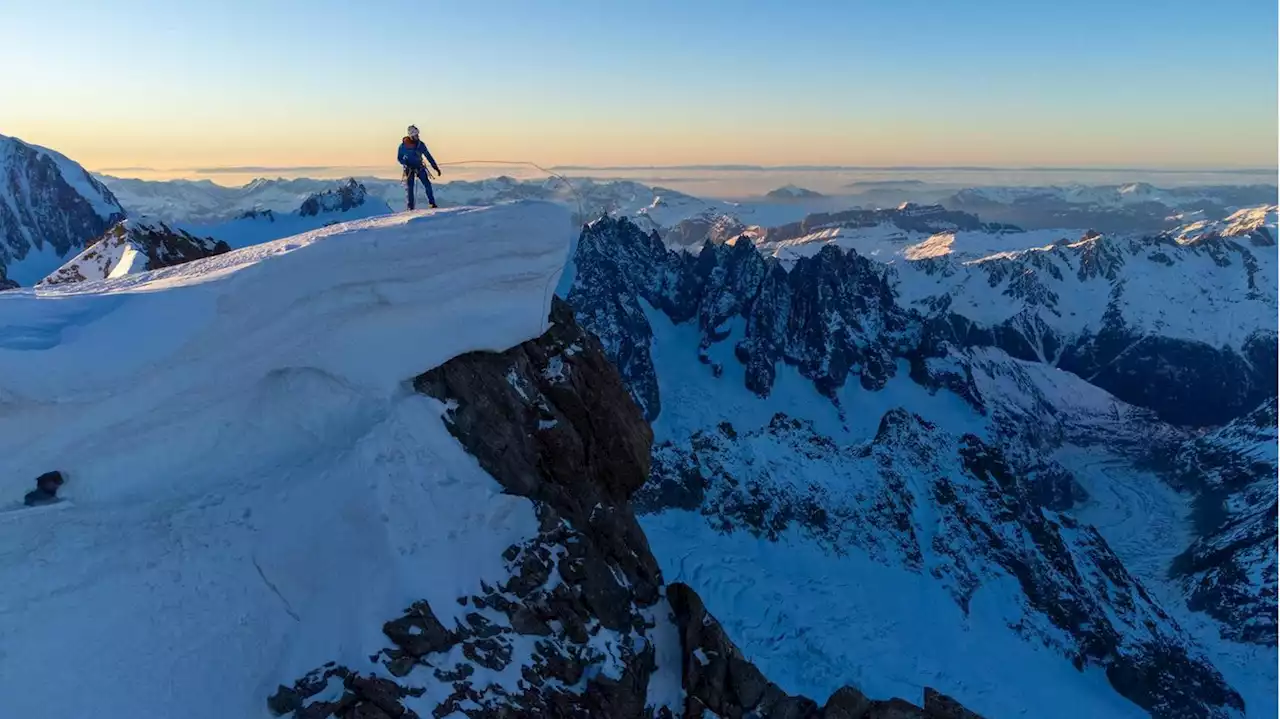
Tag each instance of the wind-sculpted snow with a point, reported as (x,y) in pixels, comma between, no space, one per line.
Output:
(252,490)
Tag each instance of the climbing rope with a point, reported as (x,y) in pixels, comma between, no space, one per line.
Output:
(544,322)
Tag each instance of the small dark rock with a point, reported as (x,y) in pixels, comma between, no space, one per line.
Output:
(400,663)
(457,674)
(284,701)
(418,632)
(481,626)
(37,497)
(383,693)
(489,653)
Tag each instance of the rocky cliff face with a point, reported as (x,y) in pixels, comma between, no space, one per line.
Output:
(135,245)
(584,626)
(833,315)
(1098,308)
(347,196)
(48,202)
(951,508)
(961,508)
(1104,309)
(1230,570)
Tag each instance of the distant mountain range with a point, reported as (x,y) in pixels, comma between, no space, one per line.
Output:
(900,450)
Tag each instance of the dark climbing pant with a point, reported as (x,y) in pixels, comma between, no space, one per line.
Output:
(420,173)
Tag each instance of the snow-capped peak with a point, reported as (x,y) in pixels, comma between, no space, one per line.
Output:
(131,246)
(50,207)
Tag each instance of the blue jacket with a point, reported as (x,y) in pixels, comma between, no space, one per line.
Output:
(412,151)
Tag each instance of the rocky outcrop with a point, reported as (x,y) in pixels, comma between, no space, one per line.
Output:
(1230,569)
(347,196)
(1096,308)
(833,316)
(132,246)
(46,200)
(257,214)
(838,316)
(583,622)
(716,228)
(951,508)
(719,681)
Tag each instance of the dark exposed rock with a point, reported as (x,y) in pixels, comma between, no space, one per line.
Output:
(835,316)
(525,621)
(940,706)
(985,519)
(162,246)
(489,653)
(587,571)
(717,678)
(895,709)
(257,213)
(849,703)
(585,465)
(284,700)
(418,632)
(363,696)
(1230,569)
(46,491)
(41,205)
(347,196)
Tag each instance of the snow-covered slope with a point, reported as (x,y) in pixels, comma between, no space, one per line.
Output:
(256,436)
(270,506)
(132,246)
(202,206)
(1185,311)
(50,208)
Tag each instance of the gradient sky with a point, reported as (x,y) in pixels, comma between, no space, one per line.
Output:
(180,84)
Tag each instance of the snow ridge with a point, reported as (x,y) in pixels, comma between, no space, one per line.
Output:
(268,438)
